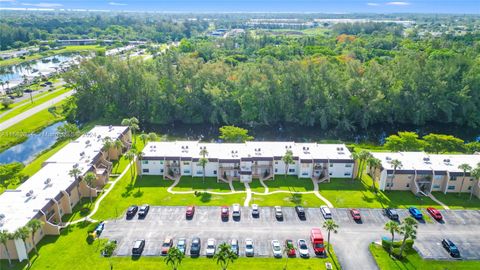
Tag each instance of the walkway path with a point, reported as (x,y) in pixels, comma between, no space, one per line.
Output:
(264,185)
(230,184)
(437,201)
(14,120)
(317,193)
(249,195)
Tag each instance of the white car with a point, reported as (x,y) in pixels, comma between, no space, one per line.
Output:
(303,248)
(236,210)
(278,212)
(181,245)
(249,251)
(211,247)
(255,210)
(327,214)
(277,249)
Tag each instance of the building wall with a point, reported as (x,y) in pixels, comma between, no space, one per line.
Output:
(154,167)
(186,167)
(455,184)
(305,170)
(211,169)
(341,170)
(12,250)
(400,181)
(438,182)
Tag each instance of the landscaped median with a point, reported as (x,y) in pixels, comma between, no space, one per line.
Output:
(412,261)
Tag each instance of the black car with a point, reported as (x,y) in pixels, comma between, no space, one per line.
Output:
(131,211)
(48,83)
(391,213)
(138,247)
(451,248)
(142,212)
(28,91)
(195,247)
(300,211)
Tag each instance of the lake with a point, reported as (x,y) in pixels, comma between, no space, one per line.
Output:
(34,145)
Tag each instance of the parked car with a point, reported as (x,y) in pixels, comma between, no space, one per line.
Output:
(99,228)
(182,245)
(28,91)
(391,213)
(236,211)
(190,211)
(290,252)
(138,247)
(435,213)
(249,249)
(415,212)
(278,213)
(327,214)
(355,214)
(451,248)
(142,212)
(224,212)
(300,211)
(211,247)
(234,246)
(195,247)
(43,85)
(303,248)
(131,211)
(277,249)
(255,210)
(167,244)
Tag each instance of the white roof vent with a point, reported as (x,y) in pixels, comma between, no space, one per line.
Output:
(426,160)
(388,158)
(48,181)
(446,161)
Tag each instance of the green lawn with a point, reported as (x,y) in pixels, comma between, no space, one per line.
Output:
(454,201)
(289,183)
(197,183)
(71,251)
(414,261)
(255,186)
(81,210)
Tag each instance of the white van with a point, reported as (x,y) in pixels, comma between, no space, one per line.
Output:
(327,214)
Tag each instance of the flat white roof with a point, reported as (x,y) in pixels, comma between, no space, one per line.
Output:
(17,208)
(191,149)
(425,161)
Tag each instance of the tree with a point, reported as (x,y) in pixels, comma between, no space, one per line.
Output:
(107,145)
(404,141)
(23,233)
(75,172)
(438,143)
(465,168)
(363,155)
(203,161)
(225,256)
(6,102)
(395,164)
(152,136)
(4,237)
(108,248)
(130,156)
(234,134)
(330,226)
(475,173)
(409,230)
(287,249)
(68,131)
(374,163)
(89,179)
(133,124)
(288,159)
(34,225)
(174,257)
(143,137)
(393,228)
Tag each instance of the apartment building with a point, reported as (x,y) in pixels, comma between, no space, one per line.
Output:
(52,192)
(422,172)
(246,161)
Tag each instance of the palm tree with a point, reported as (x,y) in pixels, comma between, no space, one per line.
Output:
(356,159)
(395,164)
(118,145)
(107,145)
(225,256)
(287,159)
(409,230)
(74,172)
(465,168)
(393,228)
(152,136)
(174,257)
(363,155)
(23,233)
(4,237)
(287,248)
(330,226)
(374,163)
(143,137)
(89,179)
(475,174)
(203,160)
(34,225)
(132,123)
(130,156)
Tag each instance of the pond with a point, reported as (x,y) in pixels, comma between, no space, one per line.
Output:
(34,145)
(45,66)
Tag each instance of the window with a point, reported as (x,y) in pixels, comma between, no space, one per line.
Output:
(408,185)
(161,170)
(470,188)
(215,172)
(200,172)
(331,165)
(389,184)
(146,170)
(291,170)
(453,178)
(276,162)
(436,186)
(186,171)
(347,174)
(451,187)
(305,173)
(348,165)
(471,179)
(144,161)
(438,177)
(186,163)
(330,174)
(61,212)
(276,170)
(161,162)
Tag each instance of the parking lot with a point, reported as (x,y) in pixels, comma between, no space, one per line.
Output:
(351,242)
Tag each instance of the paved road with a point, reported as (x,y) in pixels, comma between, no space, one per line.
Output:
(351,242)
(12,121)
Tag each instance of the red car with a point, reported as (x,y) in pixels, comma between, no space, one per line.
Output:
(190,211)
(435,213)
(224,212)
(291,252)
(355,214)
(167,244)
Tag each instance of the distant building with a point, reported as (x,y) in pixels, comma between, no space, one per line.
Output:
(67,42)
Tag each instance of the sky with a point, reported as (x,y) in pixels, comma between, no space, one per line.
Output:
(321,6)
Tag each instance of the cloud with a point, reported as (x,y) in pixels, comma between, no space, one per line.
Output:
(397,3)
(372,4)
(116,4)
(43,5)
